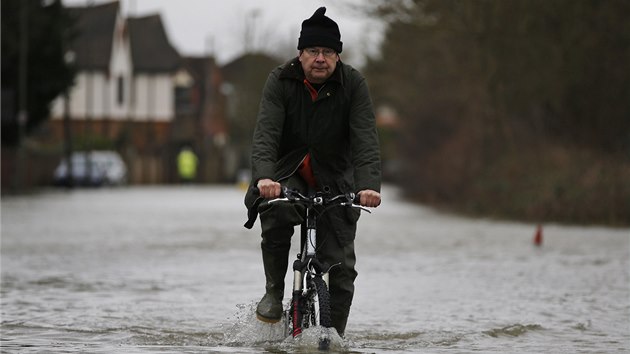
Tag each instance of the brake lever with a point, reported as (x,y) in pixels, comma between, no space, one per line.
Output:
(356,200)
(353,202)
(271,201)
(356,206)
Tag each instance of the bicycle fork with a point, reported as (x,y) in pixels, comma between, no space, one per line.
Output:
(306,263)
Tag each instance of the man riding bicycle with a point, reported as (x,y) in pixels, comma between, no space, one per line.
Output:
(315,131)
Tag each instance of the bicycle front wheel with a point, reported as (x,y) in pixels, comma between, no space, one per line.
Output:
(322,304)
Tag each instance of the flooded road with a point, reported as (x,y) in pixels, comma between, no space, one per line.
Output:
(160,270)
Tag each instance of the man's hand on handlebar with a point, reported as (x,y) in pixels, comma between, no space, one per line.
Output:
(268,188)
(369,198)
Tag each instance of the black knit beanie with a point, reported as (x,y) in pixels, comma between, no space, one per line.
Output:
(320,31)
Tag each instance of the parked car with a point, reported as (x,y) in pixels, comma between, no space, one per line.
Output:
(97,168)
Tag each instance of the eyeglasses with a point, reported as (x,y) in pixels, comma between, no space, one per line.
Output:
(312,52)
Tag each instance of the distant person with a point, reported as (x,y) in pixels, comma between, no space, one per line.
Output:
(187,165)
(315,131)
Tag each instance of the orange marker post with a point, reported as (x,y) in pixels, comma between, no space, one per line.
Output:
(538,236)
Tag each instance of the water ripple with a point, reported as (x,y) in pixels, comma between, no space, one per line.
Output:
(514,330)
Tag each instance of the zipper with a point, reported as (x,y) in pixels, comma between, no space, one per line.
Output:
(294,170)
(314,93)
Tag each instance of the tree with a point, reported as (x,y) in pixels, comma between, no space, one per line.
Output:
(245,78)
(48,29)
(518,107)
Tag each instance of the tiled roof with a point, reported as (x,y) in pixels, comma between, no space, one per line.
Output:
(151,50)
(92,45)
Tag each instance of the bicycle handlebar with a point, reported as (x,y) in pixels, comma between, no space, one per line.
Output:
(292,195)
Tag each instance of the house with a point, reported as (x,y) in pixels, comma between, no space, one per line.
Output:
(99,102)
(124,95)
(200,118)
(155,64)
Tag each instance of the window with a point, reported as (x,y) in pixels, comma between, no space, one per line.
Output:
(120,93)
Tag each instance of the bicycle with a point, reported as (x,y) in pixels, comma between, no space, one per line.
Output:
(310,301)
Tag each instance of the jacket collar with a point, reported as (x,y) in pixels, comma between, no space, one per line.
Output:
(293,70)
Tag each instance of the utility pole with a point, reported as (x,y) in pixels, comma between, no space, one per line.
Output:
(209,45)
(69,59)
(250,31)
(89,103)
(22,116)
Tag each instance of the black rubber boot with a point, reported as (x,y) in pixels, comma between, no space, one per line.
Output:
(269,308)
(339,323)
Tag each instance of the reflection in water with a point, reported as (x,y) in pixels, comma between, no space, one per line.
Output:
(173,270)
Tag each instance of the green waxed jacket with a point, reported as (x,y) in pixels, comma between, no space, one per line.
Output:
(337,128)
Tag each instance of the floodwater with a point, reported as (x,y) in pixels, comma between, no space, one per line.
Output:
(172,270)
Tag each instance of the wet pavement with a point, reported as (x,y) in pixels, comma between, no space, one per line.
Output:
(171,269)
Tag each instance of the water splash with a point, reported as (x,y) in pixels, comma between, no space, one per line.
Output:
(247,330)
(311,339)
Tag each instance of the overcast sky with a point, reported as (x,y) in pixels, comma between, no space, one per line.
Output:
(197,27)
